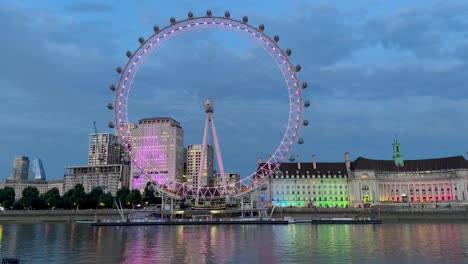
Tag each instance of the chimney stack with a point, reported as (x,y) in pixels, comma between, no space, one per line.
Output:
(314,162)
(298,162)
(347,162)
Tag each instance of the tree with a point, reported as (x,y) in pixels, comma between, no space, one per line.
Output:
(52,198)
(79,196)
(122,194)
(93,197)
(19,204)
(106,200)
(31,197)
(7,197)
(67,201)
(134,198)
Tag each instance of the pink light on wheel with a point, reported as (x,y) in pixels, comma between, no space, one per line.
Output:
(211,23)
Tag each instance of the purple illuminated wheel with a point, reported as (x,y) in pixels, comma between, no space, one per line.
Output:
(170,186)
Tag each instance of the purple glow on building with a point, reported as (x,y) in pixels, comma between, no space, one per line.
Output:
(150,155)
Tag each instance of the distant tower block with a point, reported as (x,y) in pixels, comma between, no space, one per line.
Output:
(36,170)
(209,109)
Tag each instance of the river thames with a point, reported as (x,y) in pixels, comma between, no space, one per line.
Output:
(300,243)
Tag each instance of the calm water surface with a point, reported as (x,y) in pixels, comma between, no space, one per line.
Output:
(303,243)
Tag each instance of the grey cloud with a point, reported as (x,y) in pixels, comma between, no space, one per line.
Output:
(377,82)
(422,30)
(86,7)
(319,32)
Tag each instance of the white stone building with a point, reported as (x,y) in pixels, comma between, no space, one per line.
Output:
(108,177)
(42,186)
(355,183)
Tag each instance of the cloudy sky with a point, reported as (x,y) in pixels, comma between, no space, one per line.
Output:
(374,68)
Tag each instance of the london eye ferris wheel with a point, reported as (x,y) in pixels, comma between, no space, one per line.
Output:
(171,186)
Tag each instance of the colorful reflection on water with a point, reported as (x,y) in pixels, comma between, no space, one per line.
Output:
(302,243)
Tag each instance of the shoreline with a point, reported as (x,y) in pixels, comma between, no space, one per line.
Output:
(459,214)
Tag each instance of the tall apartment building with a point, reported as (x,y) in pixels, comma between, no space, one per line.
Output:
(193,165)
(36,170)
(104,149)
(20,169)
(159,146)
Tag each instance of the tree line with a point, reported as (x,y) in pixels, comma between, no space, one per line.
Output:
(76,198)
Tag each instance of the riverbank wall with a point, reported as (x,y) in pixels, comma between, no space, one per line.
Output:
(386,214)
(57,215)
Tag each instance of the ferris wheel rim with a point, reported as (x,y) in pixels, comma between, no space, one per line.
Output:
(214,23)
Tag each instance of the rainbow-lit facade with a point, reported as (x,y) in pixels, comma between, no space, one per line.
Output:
(429,180)
(303,184)
(354,183)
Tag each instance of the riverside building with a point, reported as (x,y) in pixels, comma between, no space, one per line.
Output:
(159,146)
(108,177)
(354,183)
(42,186)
